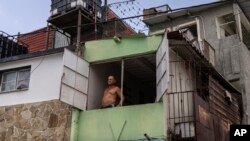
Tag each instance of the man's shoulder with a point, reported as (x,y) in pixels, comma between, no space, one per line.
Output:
(116,88)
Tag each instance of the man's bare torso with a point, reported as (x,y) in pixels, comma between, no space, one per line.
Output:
(110,95)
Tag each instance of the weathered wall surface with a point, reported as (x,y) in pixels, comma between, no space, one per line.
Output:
(245,83)
(208,30)
(44,121)
(232,56)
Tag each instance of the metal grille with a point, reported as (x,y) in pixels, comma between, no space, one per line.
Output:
(180,104)
(10,46)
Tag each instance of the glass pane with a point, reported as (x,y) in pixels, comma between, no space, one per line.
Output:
(9,76)
(9,86)
(23,84)
(25,74)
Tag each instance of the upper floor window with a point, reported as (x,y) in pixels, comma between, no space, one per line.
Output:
(16,79)
(226,25)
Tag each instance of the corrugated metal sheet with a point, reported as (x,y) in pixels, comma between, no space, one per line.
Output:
(220,106)
(213,118)
(203,120)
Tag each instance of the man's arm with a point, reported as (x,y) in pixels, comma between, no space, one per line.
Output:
(118,91)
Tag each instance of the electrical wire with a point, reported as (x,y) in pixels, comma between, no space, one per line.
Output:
(113,20)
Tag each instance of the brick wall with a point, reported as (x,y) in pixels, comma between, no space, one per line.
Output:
(36,40)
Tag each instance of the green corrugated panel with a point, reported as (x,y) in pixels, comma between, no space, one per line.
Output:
(126,123)
(101,50)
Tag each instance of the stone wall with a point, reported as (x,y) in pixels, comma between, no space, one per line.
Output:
(44,121)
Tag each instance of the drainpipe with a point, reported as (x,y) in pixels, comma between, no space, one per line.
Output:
(74,125)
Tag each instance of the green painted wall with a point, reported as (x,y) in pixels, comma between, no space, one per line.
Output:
(123,123)
(101,50)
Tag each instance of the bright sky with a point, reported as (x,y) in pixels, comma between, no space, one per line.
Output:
(28,15)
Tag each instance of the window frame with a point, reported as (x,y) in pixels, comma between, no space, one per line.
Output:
(220,25)
(17,76)
(8,72)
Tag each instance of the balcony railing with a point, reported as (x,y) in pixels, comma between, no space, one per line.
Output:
(11,46)
(135,123)
(91,6)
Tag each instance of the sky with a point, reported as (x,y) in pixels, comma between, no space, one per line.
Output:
(28,15)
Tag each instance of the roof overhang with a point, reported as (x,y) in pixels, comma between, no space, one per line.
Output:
(245,6)
(114,49)
(176,13)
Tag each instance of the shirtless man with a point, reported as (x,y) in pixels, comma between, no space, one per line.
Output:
(111,93)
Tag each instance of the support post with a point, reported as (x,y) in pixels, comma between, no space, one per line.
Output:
(122,79)
(79,28)
(47,36)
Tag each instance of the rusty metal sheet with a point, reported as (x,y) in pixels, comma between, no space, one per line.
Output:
(204,116)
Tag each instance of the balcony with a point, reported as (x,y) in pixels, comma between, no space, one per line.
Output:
(11,46)
(130,123)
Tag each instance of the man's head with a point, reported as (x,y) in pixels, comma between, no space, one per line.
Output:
(111,80)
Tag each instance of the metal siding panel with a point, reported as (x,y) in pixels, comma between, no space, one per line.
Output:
(162,50)
(81,84)
(162,69)
(83,67)
(75,80)
(70,60)
(218,104)
(69,77)
(67,95)
(80,100)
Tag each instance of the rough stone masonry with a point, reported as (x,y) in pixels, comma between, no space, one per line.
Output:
(44,121)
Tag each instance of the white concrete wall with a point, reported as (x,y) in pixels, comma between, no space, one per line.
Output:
(44,80)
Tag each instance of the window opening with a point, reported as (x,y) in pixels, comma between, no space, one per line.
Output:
(227,25)
(137,80)
(16,79)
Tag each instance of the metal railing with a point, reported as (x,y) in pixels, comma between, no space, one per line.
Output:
(11,46)
(92,6)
